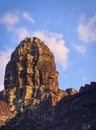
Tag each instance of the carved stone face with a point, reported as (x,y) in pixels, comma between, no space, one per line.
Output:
(32,64)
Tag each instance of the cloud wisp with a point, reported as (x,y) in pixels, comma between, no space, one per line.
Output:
(80,48)
(28,17)
(10,19)
(22,33)
(87,30)
(4,58)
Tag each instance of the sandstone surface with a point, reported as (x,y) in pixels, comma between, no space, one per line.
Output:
(32,99)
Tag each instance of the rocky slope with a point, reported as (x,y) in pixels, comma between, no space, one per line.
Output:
(32,100)
(5,112)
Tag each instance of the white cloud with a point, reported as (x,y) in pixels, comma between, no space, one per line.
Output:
(56,43)
(80,48)
(9,19)
(22,33)
(28,17)
(87,30)
(4,58)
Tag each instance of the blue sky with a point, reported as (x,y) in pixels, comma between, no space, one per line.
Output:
(68,27)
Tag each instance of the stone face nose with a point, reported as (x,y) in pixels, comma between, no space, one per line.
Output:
(32,64)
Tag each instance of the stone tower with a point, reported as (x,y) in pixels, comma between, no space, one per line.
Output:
(31,64)
(31,76)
